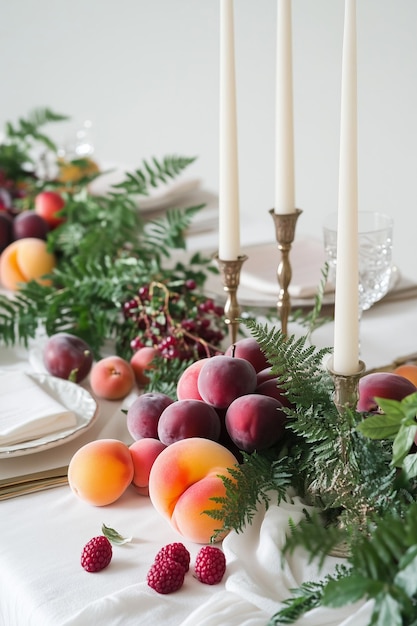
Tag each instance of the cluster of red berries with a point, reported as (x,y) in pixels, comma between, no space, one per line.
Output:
(168,570)
(176,320)
(172,562)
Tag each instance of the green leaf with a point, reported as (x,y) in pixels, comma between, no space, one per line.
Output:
(387,611)
(347,590)
(409,465)
(406,578)
(402,443)
(113,536)
(381,426)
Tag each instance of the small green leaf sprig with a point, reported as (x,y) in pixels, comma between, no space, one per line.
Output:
(396,423)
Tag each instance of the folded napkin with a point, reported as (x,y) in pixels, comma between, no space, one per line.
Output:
(307,258)
(27,411)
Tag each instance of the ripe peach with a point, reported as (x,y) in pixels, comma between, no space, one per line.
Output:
(187,387)
(100,471)
(409,371)
(48,204)
(112,378)
(144,453)
(183,479)
(141,361)
(24,260)
(248,348)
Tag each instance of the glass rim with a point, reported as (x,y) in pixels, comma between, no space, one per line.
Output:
(388,222)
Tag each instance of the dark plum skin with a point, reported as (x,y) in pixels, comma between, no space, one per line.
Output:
(382,385)
(248,348)
(255,422)
(188,418)
(30,224)
(6,230)
(270,388)
(143,415)
(67,356)
(224,378)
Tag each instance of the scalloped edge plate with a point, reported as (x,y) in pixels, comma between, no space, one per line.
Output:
(75,398)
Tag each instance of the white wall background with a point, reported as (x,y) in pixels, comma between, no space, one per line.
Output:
(146,73)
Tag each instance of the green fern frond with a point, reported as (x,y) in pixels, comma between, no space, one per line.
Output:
(299,367)
(250,485)
(152,174)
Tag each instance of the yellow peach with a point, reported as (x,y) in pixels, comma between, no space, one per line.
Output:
(24,260)
(183,480)
(100,471)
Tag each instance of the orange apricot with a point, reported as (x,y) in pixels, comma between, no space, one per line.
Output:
(409,371)
(100,471)
(24,260)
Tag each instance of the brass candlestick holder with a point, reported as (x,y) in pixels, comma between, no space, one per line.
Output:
(230,273)
(345,387)
(285,224)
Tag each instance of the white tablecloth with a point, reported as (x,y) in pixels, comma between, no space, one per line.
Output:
(42,534)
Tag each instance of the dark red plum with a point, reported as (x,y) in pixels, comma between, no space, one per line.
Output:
(188,418)
(67,356)
(223,378)
(270,388)
(248,348)
(143,415)
(29,224)
(255,422)
(382,385)
(6,230)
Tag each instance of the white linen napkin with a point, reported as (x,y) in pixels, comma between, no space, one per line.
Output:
(27,411)
(307,258)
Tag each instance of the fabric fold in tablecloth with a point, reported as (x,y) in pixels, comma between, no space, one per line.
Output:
(258,580)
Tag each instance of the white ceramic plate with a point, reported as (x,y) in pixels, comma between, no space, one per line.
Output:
(76,399)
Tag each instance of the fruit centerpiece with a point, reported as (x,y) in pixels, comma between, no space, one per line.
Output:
(217,430)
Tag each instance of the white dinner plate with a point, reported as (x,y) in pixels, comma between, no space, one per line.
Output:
(71,395)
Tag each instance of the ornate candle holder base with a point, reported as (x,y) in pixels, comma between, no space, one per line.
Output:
(230,272)
(345,387)
(285,224)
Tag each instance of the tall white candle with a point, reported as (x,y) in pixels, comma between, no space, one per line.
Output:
(229,222)
(346,326)
(284,126)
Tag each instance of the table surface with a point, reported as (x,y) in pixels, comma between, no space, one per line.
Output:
(42,533)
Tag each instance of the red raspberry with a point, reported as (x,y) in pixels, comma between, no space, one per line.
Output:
(96,554)
(177,552)
(210,565)
(166,576)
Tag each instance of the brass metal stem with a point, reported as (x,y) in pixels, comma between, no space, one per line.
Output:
(285,224)
(230,273)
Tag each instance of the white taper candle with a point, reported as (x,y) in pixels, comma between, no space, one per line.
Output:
(284,125)
(229,220)
(346,324)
